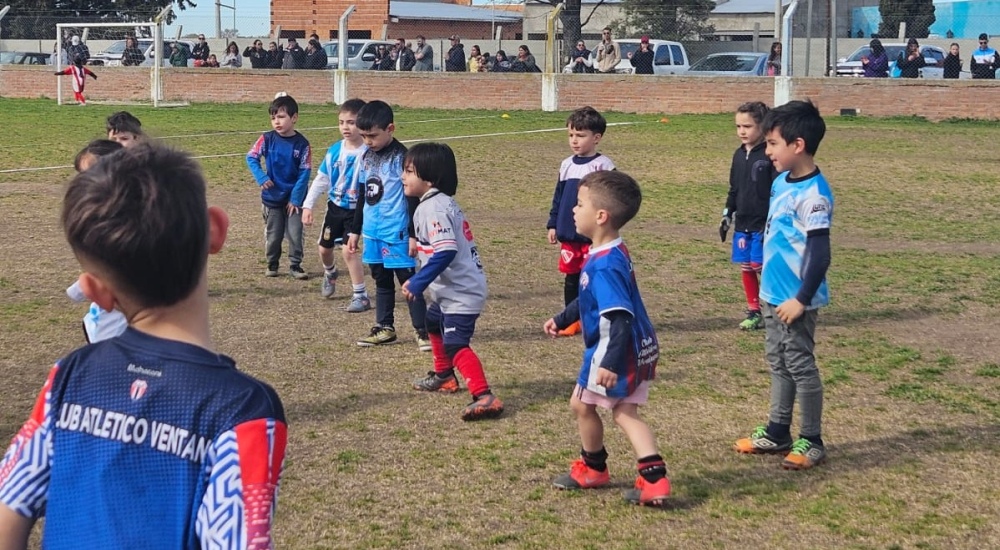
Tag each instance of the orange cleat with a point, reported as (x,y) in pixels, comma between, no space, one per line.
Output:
(571,330)
(649,494)
(581,476)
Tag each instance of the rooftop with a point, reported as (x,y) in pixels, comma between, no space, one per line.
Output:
(449,12)
(748,6)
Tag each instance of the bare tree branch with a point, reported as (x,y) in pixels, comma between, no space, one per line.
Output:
(586,21)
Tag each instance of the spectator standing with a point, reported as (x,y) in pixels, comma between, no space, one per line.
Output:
(581,59)
(201,51)
(642,59)
(476,60)
(78,50)
(132,56)
(501,64)
(383,59)
(294,56)
(178,56)
(608,55)
(404,56)
(525,62)
(315,56)
(875,65)
(257,54)
(911,61)
(774,60)
(232,58)
(953,62)
(424,55)
(275,56)
(213,62)
(985,60)
(455,60)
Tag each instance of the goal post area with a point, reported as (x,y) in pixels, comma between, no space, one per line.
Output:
(106,45)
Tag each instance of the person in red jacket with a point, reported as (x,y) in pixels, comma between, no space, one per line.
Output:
(79,74)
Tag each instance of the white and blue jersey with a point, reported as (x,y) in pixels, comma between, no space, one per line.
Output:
(607,284)
(338,174)
(797,207)
(386,212)
(141,442)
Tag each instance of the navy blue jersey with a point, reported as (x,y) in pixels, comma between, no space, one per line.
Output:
(141,442)
(287,163)
(571,172)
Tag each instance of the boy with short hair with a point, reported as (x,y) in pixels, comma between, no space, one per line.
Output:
(750,177)
(586,127)
(385,222)
(338,173)
(283,179)
(453,274)
(152,439)
(793,285)
(124,128)
(621,350)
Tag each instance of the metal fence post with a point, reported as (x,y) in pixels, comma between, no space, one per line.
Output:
(340,75)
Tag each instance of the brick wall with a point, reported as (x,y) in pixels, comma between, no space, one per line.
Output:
(935,100)
(323,16)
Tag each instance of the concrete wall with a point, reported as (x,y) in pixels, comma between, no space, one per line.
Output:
(657,95)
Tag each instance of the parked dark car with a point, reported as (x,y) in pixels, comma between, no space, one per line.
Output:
(24,58)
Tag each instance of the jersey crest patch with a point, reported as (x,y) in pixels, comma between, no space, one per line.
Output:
(374,189)
(138,389)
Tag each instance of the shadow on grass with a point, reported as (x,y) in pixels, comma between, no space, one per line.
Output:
(851,318)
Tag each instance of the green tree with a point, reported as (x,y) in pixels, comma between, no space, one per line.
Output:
(667,19)
(38,18)
(918,14)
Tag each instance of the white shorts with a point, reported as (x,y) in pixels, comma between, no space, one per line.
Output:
(638,397)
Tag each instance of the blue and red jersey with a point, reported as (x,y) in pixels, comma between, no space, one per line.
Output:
(141,442)
(287,163)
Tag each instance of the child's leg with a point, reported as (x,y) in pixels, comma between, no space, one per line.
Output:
(293,232)
(652,485)
(589,424)
(626,415)
(356,271)
(571,288)
(751,285)
(457,335)
(385,296)
(417,306)
(327,259)
(591,469)
(801,365)
(274,232)
(442,363)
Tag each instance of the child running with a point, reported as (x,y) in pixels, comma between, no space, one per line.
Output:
(338,173)
(621,350)
(453,274)
(586,127)
(793,286)
(750,177)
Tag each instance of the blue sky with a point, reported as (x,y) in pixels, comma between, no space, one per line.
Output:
(252,17)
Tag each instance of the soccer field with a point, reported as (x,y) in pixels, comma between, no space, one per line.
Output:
(908,348)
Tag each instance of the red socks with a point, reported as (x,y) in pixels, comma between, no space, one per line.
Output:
(441,362)
(468,364)
(751,286)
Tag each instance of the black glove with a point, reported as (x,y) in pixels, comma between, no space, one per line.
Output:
(57,73)
(94,76)
(727,221)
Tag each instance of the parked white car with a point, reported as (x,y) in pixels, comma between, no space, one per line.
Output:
(669,57)
(360,53)
(112,55)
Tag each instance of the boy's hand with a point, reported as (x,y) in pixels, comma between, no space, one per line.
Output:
(94,76)
(413,247)
(550,328)
(268,184)
(789,310)
(291,209)
(406,291)
(352,243)
(307,216)
(606,378)
(552,236)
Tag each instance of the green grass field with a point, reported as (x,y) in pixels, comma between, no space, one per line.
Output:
(908,349)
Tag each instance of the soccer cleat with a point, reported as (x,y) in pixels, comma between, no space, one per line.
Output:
(760,442)
(753,321)
(380,336)
(581,476)
(649,494)
(329,284)
(297,272)
(486,406)
(571,330)
(423,342)
(432,382)
(805,454)
(271,272)
(359,304)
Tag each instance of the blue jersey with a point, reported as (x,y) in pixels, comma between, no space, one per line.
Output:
(338,173)
(287,163)
(386,211)
(571,172)
(797,207)
(607,283)
(141,442)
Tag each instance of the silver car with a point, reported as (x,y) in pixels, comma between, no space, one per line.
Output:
(933,59)
(360,53)
(730,64)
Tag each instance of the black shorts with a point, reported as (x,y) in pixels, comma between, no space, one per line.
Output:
(337,224)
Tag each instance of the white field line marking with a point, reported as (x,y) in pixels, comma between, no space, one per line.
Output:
(447,138)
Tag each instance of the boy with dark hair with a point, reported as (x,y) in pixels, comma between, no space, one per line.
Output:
(385,222)
(283,179)
(621,350)
(453,274)
(152,439)
(750,177)
(338,173)
(124,128)
(793,285)
(985,60)
(586,127)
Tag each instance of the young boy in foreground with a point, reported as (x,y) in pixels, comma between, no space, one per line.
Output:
(152,439)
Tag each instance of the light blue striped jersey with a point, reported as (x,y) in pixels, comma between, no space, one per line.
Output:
(338,174)
(797,207)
